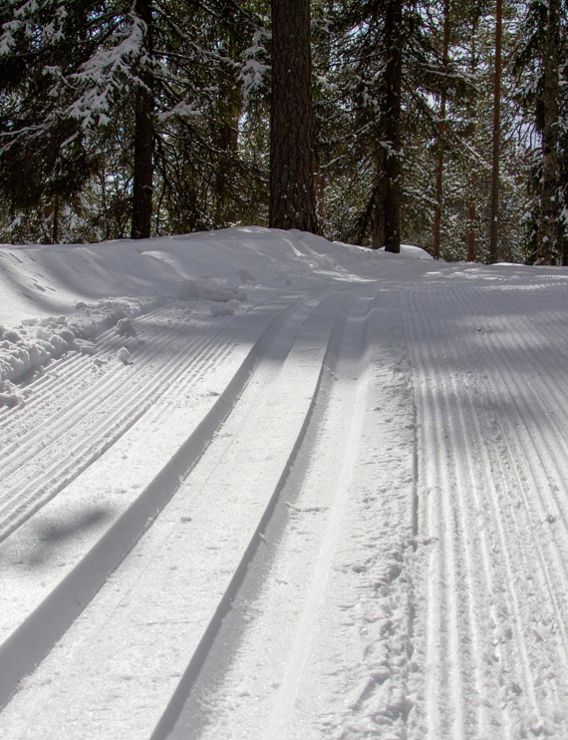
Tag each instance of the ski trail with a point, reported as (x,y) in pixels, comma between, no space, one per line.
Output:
(455,400)
(54,453)
(323,619)
(171,637)
(38,607)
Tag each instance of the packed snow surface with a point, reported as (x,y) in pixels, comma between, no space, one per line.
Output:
(254,484)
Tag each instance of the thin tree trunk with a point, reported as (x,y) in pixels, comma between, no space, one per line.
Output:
(144,134)
(292,191)
(494,199)
(393,79)
(438,211)
(55,224)
(378,213)
(472,115)
(549,241)
(229,110)
(471,212)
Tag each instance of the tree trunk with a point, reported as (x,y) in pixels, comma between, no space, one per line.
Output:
(55,224)
(143,133)
(471,211)
(393,82)
(378,211)
(441,138)
(292,192)
(549,237)
(494,199)
(230,104)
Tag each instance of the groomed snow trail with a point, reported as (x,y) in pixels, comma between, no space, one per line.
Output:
(491,625)
(338,514)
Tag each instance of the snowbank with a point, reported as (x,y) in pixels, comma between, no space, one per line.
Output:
(56,299)
(408,250)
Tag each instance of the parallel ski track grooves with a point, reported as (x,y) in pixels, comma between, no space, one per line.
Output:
(350,338)
(443,624)
(548,478)
(69,459)
(19,502)
(452,516)
(66,369)
(175,706)
(489,496)
(541,655)
(35,637)
(88,398)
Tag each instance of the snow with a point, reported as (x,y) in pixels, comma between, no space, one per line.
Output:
(409,250)
(255,484)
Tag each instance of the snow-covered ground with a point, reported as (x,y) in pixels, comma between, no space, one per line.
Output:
(254,484)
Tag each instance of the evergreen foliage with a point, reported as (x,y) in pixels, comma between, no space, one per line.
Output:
(73,74)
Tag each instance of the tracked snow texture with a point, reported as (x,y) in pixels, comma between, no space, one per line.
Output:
(254,484)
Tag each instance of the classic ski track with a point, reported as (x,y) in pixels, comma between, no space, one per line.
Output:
(19,503)
(442,619)
(70,458)
(547,477)
(87,399)
(542,654)
(131,560)
(74,589)
(290,681)
(260,696)
(75,376)
(517,529)
(510,543)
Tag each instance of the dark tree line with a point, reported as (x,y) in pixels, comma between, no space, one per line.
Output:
(442,123)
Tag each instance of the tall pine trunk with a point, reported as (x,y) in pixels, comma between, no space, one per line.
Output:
(472,126)
(292,191)
(438,210)
(494,198)
(144,133)
(392,118)
(549,237)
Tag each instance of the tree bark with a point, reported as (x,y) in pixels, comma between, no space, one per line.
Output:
(549,237)
(438,210)
(292,191)
(378,210)
(144,133)
(494,198)
(392,117)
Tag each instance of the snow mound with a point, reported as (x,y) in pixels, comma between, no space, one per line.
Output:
(409,250)
(210,290)
(36,342)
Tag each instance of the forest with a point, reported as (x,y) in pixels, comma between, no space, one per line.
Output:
(441,123)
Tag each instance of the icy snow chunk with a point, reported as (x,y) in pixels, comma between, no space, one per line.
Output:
(225,309)
(10,395)
(84,346)
(210,291)
(124,356)
(125,328)
(246,277)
